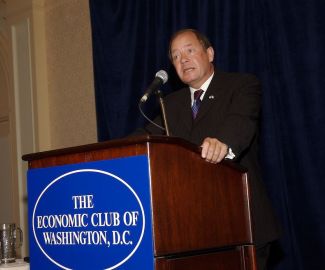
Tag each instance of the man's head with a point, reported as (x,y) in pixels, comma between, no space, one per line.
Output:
(192,55)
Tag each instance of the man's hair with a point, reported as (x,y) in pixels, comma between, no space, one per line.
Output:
(200,37)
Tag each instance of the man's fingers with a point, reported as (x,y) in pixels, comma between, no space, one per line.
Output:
(205,147)
(223,152)
(213,150)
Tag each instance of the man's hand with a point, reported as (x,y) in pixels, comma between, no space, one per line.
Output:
(213,150)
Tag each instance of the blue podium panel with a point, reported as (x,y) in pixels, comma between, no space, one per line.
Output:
(93,215)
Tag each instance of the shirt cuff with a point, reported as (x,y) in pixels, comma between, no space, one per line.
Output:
(230,154)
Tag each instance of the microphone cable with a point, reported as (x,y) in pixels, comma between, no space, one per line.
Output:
(146,117)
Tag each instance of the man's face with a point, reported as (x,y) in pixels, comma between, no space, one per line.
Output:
(192,62)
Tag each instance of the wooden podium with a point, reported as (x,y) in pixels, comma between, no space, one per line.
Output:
(200,211)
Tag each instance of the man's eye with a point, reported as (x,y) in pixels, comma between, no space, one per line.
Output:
(175,57)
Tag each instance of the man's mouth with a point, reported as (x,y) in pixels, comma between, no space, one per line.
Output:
(186,70)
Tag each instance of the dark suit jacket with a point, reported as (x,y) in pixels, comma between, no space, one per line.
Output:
(229,112)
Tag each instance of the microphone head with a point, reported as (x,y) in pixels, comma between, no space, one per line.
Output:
(162,74)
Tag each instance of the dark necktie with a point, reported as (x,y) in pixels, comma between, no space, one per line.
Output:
(196,103)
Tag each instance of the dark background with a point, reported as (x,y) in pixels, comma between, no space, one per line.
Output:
(282,42)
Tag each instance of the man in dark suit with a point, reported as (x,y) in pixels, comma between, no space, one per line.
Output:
(225,124)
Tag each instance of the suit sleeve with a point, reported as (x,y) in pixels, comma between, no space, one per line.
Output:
(241,122)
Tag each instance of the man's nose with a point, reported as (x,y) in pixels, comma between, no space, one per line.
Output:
(184,58)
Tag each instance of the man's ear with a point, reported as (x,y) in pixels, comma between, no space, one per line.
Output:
(210,53)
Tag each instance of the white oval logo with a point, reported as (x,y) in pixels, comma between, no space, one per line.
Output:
(109,223)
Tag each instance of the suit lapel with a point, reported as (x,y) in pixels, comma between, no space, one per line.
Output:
(211,97)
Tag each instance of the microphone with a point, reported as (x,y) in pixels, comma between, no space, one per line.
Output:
(160,79)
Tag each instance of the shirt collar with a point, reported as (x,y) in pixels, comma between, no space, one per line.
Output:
(204,87)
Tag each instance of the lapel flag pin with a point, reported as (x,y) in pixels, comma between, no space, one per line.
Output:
(211,97)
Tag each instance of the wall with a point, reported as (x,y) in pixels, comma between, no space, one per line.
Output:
(46,89)
(70,73)
(7,188)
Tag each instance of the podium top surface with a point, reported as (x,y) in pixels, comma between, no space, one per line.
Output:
(114,146)
(132,140)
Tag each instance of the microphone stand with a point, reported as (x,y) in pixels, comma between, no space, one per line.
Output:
(163,111)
